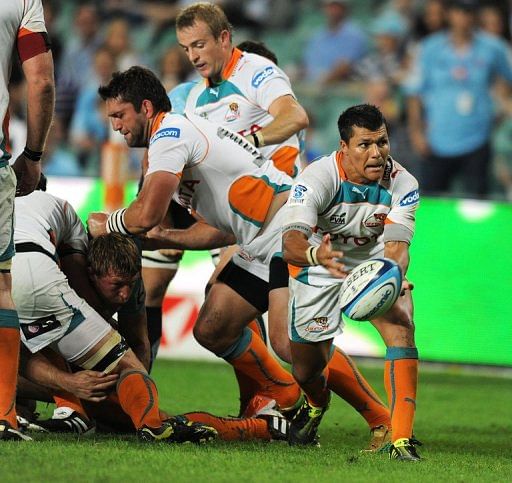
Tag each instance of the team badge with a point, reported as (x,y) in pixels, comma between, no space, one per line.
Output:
(233,112)
(376,219)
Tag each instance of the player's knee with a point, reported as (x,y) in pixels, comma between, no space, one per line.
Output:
(281,345)
(208,335)
(306,373)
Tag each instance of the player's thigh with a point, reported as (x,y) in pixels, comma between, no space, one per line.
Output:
(278,308)
(5,291)
(396,326)
(158,270)
(223,317)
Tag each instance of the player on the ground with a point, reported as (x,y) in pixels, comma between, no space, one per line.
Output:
(52,314)
(348,207)
(22,29)
(236,190)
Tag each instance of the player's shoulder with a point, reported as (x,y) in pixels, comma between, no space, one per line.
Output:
(402,183)
(256,69)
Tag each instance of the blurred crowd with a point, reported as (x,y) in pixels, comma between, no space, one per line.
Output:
(440,70)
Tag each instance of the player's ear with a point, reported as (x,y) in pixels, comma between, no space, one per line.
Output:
(147,108)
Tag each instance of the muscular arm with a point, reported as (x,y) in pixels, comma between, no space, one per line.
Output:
(399,252)
(89,385)
(199,236)
(295,244)
(289,118)
(38,71)
(150,207)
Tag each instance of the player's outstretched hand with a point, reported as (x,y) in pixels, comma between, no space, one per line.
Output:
(97,223)
(91,385)
(27,175)
(329,258)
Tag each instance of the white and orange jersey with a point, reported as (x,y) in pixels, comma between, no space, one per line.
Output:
(251,83)
(18,18)
(223,177)
(360,218)
(49,222)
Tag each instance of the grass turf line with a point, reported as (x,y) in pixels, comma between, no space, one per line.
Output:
(461,419)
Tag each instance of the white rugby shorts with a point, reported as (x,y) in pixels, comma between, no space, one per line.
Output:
(314,313)
(50,311)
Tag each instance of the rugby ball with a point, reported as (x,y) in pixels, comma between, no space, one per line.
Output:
(370,289)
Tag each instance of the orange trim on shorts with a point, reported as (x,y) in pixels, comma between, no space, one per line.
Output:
(284,159)
(250,197)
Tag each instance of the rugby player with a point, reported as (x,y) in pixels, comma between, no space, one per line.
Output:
(22,28)
(51,241)
(350,206)
(225,180)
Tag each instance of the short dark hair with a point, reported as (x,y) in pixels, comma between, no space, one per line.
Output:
(363,115)
(135,85)
(259,48)
(113,253)
(212,15)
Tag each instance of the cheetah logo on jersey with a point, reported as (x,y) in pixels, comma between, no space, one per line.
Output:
(410,198)
(233,112)
(169,132)
(258,78)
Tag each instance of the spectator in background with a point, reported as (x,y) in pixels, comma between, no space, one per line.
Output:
(50,8)
(492,19)
(89,126)
(432,18)
(59,159)
(175,68)
(331,53)
(450,106)
(76,66)
(118,42)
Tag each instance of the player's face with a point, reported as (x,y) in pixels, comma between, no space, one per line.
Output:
(207,54)
(114,289)
(365,154)
(131,124)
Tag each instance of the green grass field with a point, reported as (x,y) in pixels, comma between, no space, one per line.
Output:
(463,420)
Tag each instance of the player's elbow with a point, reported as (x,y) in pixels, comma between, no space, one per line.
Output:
(302,119)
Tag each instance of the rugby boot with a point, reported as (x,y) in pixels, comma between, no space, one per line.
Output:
(257,405)
(304,425)
(8,433)
(262,407)
(178,429)
(380,440)
(65,420)
(403,449)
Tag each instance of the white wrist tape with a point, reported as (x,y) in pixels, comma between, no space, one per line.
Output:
(115,222)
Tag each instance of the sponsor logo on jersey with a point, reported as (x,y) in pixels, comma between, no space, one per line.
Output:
(233,112)
(410,198)
(338,219)
(361,192)
(40,327)
(261,76)
(168,132)
(377,219)
(317,324)
(387,170)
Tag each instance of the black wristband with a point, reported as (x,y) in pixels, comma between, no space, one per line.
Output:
(32,155)
(256,140)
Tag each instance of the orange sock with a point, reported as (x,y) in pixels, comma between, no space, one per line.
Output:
(246,385)
(139,399)
(233,429)
(348,383)
(9,358)
(64,398)
(401,380)
(252,358)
